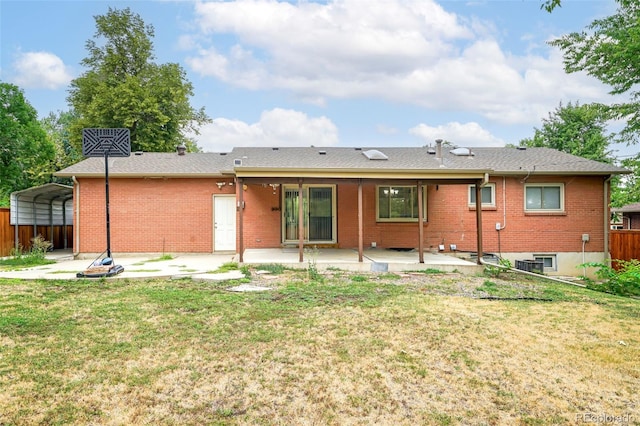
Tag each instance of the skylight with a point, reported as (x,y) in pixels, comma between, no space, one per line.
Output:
(464,152)
(374,154)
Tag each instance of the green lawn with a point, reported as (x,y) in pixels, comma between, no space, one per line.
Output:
(352,349)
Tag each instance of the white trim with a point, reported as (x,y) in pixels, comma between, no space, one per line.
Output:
(305,187)
(400,220)
(554,261)
(544,185)
(471,190)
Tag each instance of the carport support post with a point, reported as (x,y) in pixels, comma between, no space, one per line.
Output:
(420,224)
(479,219)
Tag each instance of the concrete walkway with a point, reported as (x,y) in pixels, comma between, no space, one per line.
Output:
(182,265)
(201,266)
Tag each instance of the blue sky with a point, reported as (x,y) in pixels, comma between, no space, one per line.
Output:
(329,73)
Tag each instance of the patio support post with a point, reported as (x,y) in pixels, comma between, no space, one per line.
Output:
(300,223)
(420,224)
(240,198)
(479,184)
(360,223)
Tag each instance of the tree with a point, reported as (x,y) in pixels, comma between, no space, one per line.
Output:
(628,189)
(26,155)
(549,5)
(57,126)
(610,51)
(576,129)
(123,87)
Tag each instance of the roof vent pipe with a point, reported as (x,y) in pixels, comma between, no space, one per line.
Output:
(181,149)
(439,149)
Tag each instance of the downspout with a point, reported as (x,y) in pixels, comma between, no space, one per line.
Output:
(606,186)
(76,217)
(504,203)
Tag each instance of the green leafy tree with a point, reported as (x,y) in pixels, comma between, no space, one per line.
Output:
(26,154)
(123,87)
(57,126)
(575,129)
(549,5)
(628,190)
(609,49)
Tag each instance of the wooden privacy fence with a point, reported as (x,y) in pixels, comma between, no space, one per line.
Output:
(26,233)
(624,244)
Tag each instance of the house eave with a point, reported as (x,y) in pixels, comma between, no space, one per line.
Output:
(360,173)
(556,173)
(144,175)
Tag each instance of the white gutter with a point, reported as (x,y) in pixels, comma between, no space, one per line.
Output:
(76,217)
(504,203)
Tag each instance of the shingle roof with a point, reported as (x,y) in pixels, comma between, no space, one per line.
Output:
(629,208)
(153,164)
(495,160)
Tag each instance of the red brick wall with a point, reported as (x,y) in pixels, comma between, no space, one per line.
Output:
(261,216)
(524,231)
(451,221)
(148,215)
(175,215)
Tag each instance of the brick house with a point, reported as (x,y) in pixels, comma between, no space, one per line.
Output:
(534,203)
(626,217)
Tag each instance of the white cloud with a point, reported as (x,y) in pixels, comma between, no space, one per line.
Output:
(277,127)
(41,70)
(405,51)
(461,134)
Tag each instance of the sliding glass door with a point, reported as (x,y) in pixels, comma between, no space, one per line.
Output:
(318,213)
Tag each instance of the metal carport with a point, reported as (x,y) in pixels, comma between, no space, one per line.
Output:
(42,205)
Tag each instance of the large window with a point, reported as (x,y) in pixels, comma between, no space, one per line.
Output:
(399,203)
(488,195)
(544,197)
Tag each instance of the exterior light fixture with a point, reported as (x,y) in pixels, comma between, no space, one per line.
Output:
(221,184)
(274,186)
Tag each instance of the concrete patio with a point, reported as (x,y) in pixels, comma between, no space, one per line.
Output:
(148,265)
(374,259)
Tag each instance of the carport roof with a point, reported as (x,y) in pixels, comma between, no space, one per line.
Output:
(47,192)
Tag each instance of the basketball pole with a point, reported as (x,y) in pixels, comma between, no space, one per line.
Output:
(106,185)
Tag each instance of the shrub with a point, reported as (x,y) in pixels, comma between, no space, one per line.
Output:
(625,281)
(495,271)
(39,247)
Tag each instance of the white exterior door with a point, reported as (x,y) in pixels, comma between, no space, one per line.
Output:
(224,223)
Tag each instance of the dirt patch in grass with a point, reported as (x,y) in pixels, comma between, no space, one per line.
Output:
(382,349)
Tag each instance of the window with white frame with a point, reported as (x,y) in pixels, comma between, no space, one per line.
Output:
(549,261)
(488,195)
(544,197)
(399,203)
